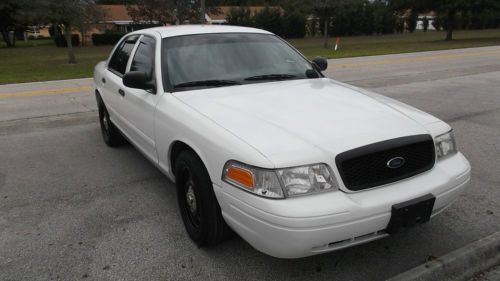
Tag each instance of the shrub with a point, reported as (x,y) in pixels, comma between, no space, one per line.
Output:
(291,25)
(54,30)
(425,23)
(411,21)
(39,37)
(240,16)
(60,40)
(399,25)
(107,38)
(270,20)
(384,20)
(295,25)
(437,23)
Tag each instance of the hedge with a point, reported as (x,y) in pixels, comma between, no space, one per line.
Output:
(289,25)
(61,41)
(106,38)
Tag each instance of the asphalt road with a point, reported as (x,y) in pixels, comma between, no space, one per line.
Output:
(73,209)
(490,275)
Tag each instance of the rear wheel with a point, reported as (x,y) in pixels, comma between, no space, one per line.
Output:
(110,133)
(198,205)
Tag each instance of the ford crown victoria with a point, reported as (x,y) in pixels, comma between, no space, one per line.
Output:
(259,142)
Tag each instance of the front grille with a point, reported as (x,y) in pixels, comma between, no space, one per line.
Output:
(367,166)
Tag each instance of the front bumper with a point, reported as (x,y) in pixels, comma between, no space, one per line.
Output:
(309,225)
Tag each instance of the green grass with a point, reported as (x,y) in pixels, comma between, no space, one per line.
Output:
(40,60)
(30,43)
(397,43)
(47,62)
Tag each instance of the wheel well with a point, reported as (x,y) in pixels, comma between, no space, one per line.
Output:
(176,150)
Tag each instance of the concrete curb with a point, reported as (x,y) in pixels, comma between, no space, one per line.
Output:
(49,81)
(461,264)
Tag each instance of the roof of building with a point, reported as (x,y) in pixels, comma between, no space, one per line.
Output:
(115,13)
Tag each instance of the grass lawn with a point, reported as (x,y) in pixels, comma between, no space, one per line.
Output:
(397,43)
(28,63)
(42,62)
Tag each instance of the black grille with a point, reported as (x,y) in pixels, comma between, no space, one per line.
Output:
(367,166)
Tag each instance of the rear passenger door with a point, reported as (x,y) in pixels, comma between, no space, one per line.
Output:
(141,104)
(112,83)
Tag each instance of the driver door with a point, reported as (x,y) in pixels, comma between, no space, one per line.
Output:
(140,104)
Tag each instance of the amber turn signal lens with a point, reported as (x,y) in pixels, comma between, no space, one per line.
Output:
(241,176)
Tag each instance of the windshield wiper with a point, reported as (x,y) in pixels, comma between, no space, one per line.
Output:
(212,83)
(270,77)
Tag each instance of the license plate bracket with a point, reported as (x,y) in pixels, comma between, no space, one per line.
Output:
(410,213)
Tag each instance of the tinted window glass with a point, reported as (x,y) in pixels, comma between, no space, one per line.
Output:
(119,60)
(144,56)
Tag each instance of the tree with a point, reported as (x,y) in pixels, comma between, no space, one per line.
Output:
(187,11)
(8,10)
(295,25)
(169,11)
(409,10)
(385,21)
(411,20)
(449,9)
(437,23)
(115,2)
(324,9)
(354,17)
(90,14)
(153,11)
(240,16)
(14,15)
(270,19)
(68,14)
(425,23)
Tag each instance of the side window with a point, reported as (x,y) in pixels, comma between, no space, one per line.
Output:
(144,58)
(118,62)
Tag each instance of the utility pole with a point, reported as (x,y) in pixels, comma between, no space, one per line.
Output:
(202,10)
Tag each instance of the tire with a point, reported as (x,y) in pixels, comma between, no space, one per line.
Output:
(198,205)
(111,135)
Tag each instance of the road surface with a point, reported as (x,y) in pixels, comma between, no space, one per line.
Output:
(73,209)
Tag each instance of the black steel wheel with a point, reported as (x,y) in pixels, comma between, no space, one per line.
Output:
(198,205)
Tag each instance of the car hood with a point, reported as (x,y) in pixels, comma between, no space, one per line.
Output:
(299,115)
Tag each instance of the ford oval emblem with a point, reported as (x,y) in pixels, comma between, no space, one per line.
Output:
(396,162)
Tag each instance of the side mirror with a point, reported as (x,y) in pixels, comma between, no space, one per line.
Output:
(138,80)
(321,63)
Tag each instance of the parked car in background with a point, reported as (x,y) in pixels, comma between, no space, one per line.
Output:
(257,140)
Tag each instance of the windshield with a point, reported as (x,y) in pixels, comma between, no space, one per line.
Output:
(225,59)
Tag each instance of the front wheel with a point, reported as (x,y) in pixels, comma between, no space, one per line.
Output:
(198,205)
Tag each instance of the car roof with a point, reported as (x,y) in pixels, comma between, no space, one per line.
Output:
(180,30)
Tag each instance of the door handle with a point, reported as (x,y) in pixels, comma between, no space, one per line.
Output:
(121,92)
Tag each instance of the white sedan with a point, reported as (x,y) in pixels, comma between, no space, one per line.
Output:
(258,141)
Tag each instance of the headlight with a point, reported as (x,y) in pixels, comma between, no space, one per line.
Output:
(445,145)
(306,179)
(280,183)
